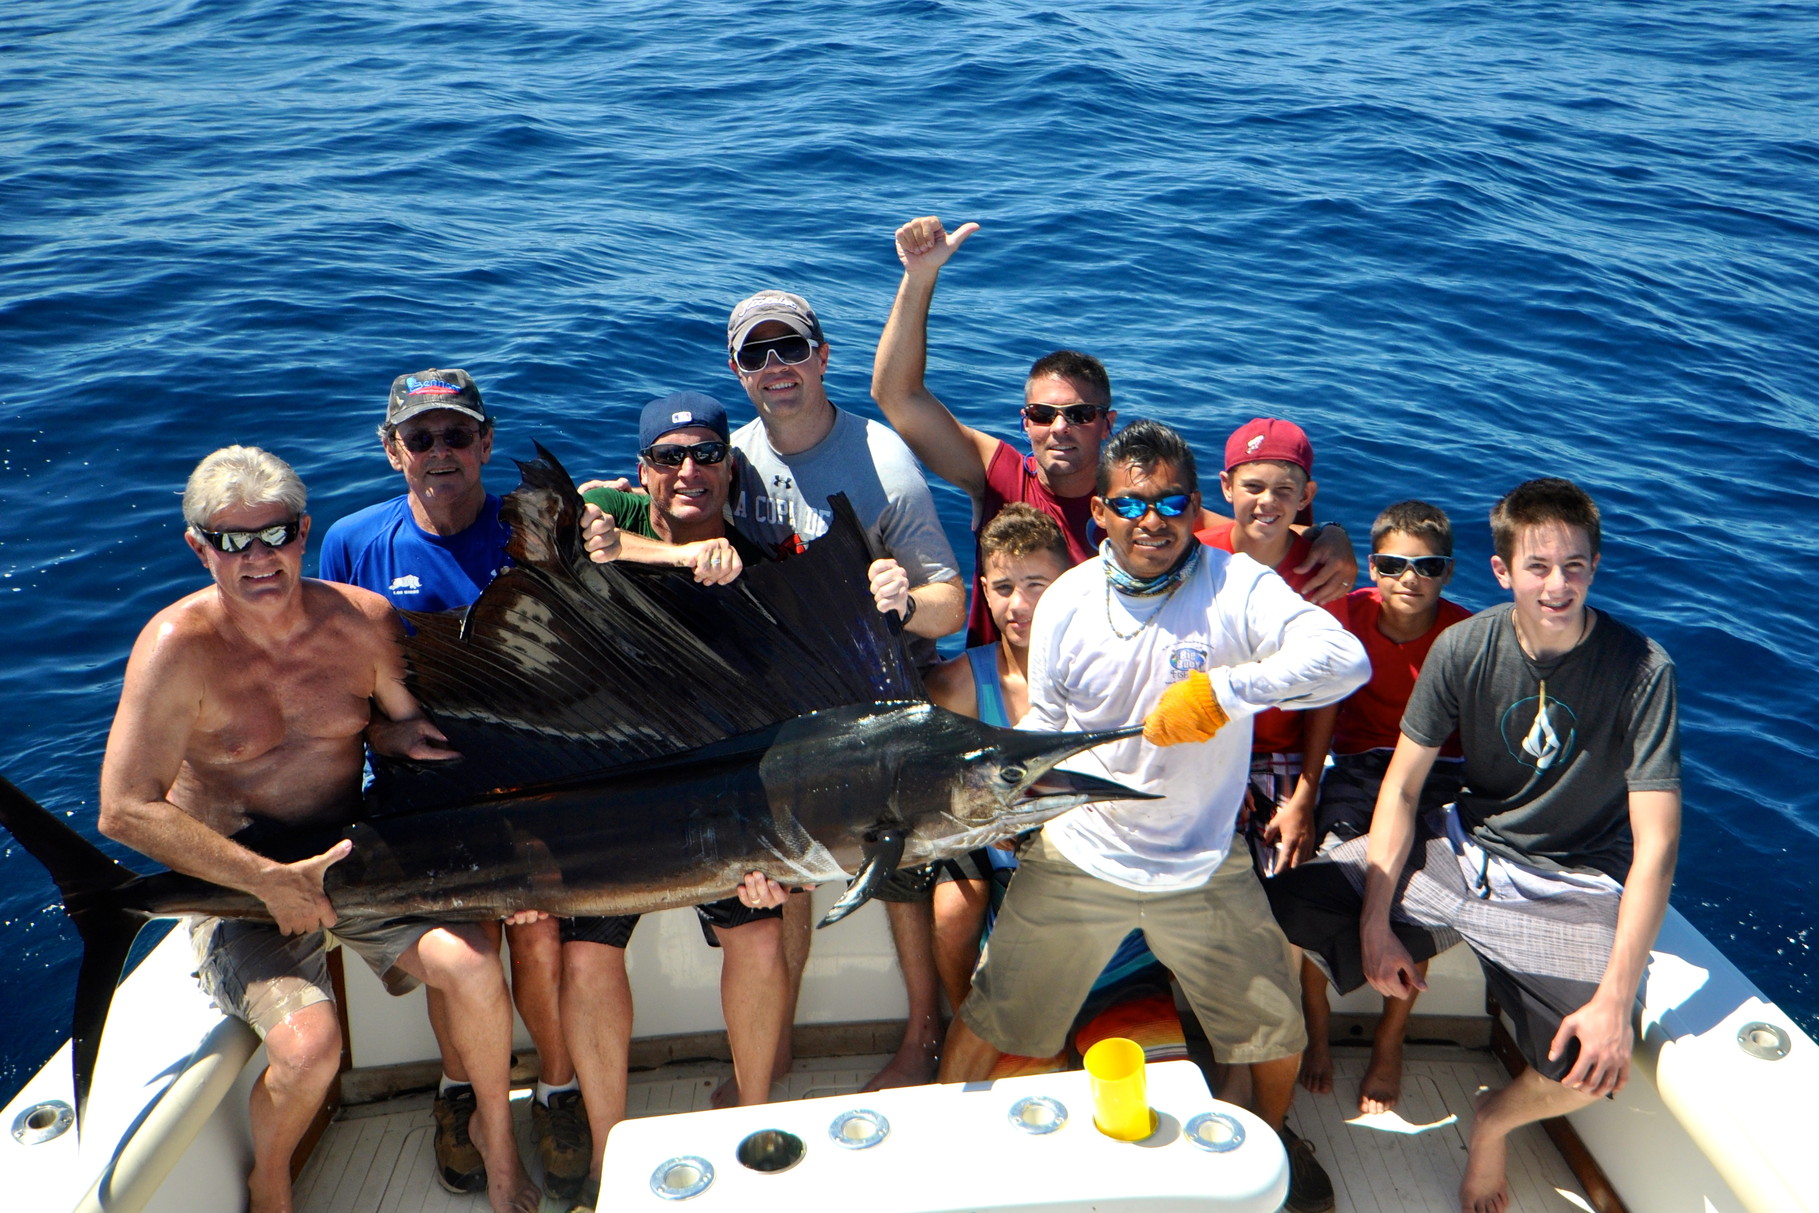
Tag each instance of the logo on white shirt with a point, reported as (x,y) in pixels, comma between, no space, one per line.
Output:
(1187,658)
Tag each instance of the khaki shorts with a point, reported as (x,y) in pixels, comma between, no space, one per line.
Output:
(1059,926)
(256,973)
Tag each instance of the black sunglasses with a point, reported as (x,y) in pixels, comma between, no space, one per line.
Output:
(234,542)
(1076,414)
(789,350)
(671,454)
(420,442)
(1431,567)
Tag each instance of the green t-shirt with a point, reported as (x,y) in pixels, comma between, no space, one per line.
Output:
(632,511)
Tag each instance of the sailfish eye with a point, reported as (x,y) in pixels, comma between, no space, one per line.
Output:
(1011,774)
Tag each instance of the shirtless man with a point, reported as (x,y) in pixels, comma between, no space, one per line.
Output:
(1067,415)
(249,704)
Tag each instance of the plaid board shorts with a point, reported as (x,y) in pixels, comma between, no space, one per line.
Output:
(1543,942)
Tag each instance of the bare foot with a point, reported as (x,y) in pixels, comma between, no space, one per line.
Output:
(1485,1188)
(726,1095)
(1381,1089)
(270,1192)
(1317,1067)
(508,1187)
(512,1194)
(913,1066)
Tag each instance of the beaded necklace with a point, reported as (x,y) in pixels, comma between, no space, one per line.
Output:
(1165,584)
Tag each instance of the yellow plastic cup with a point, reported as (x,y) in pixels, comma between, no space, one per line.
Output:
(1121,1108)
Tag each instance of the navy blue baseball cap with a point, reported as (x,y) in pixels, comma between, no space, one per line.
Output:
(677,411)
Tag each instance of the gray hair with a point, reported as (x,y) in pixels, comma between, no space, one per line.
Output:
(241,475)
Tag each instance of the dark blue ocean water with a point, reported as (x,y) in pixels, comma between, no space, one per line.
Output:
(1462,243)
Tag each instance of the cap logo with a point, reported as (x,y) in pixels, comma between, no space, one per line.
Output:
(770,303)
(433,387)
(679,417)
(1250,448)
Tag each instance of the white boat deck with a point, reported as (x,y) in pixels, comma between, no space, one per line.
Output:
(379,1159)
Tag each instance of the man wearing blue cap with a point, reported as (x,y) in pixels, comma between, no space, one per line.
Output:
(679,519)
(685,472)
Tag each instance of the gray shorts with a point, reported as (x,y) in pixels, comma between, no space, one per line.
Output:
(1059,926)
(258,974)
(1542,956)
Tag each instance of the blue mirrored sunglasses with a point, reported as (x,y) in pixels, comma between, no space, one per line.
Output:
(1133,508)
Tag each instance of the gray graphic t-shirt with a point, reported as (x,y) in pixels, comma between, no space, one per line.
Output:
(1552,749)
(780,501)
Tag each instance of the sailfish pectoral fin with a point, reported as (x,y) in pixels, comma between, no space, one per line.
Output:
(881,857)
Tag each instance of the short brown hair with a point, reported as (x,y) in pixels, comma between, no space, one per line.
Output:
(1536,503)
(1072,364)
(1417,520)
(1020,529)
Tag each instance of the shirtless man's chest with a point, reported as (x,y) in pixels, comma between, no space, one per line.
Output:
(278,730)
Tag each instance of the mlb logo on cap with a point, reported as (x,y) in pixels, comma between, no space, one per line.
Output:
(680,410)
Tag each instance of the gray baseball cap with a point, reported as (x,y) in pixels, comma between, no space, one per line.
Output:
(792,310)
(434,389)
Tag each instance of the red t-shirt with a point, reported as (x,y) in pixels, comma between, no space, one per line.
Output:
(1012,477)
(1273,731)
(1371,717)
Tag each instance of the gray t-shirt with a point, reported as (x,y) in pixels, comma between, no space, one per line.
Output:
(780,501)
(1552,749)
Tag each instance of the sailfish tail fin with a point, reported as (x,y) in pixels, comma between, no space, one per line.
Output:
(89,881)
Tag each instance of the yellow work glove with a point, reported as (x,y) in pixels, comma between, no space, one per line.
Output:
(1187,711)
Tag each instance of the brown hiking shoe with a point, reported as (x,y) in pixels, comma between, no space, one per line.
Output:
(563,1142)
(1310,1188)
(458,1164)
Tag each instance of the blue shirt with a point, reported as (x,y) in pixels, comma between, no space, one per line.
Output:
(381,548)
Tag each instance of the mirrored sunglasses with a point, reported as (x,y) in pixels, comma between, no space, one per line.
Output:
(234,542)
(671,454)
(1076,414)
(420,442)
(789,350)
(1133,508)
(1431,567)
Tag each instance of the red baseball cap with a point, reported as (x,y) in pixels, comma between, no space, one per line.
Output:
(1270,438)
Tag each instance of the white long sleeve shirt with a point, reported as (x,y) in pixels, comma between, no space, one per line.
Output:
(1260,644)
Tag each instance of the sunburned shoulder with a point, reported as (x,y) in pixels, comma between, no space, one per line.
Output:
(192,619)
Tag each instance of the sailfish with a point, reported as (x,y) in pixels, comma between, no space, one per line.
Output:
(630,741)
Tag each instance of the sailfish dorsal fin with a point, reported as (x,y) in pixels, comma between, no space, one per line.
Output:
(564,667)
